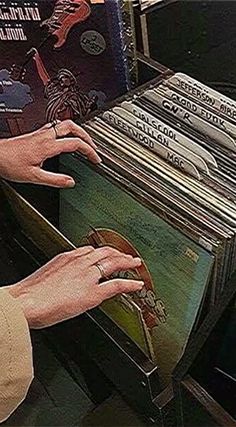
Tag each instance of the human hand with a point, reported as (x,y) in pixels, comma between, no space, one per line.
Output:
(69,284)
(22,157)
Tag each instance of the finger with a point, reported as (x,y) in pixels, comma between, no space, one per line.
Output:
(66,257)
(52,179)
(119,263)
(50,125)
(114,287)
(84,250)
(48,131)
(69,145)
(69,127)
(102,253)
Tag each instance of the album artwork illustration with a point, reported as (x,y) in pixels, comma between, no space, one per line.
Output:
(59,59)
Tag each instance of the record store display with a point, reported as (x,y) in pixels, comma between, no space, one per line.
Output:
(166,192)
(62,60)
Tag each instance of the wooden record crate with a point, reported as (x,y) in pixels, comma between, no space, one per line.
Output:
(206,395)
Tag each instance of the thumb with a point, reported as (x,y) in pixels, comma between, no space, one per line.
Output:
(118,286)
(53,179)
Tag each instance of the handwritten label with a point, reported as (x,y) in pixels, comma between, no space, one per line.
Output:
(170,132)
(191,119)
(128,129)
(150,120)
(139,136)
(162,139)
(211,97)
(197,109)
(195,91)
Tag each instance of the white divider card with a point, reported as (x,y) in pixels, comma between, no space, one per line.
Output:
(162,150)
(190,119)
(160,138)
(204,94)
(212,200)
(206,114)
(170,132)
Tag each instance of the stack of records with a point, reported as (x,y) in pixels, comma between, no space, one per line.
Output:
(167,192)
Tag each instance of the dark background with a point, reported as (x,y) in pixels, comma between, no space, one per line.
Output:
(197,38)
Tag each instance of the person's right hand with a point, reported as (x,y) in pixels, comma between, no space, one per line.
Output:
(69,284)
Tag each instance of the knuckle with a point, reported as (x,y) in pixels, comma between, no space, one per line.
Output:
(107,250)
(89,248)
(82,250)
(60,256)
(33,174)
(78,148)
(69,124)
(89,149)
(72,254)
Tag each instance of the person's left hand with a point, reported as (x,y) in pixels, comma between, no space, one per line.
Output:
(22,157)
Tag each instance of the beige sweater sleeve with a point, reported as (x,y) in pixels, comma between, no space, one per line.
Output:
(16,368)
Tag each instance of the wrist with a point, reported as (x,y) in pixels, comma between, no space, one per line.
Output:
(21,295)
(4,157)
(16,290)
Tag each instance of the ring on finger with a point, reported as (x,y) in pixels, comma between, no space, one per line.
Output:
(53,125)
(101,270)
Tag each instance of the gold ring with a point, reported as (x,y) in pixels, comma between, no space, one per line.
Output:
(101,270)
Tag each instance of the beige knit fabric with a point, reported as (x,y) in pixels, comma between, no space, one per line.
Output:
(16,367)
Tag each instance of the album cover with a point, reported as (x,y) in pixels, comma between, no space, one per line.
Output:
(59,59)
(175,270)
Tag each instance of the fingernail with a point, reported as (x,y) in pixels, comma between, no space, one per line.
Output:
(138,260)
(140,284)
(99,160)
(70,183)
